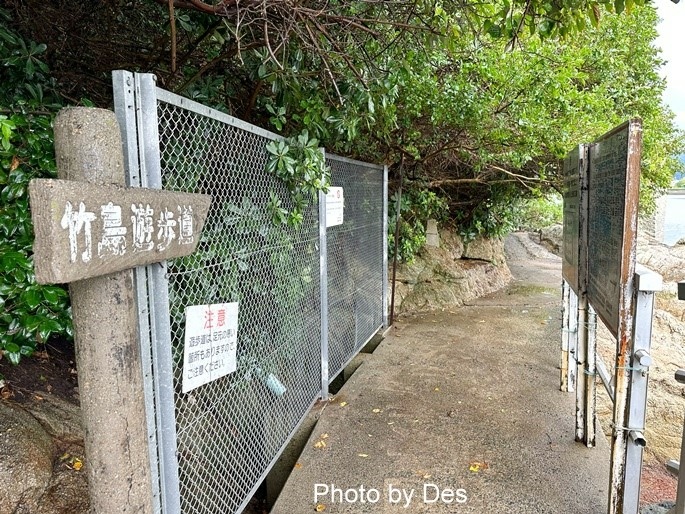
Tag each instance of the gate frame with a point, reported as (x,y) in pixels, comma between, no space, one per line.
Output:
(136,99)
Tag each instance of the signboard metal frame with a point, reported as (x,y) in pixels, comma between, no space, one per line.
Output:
(614,169)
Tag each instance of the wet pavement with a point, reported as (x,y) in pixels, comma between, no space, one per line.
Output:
(458,411)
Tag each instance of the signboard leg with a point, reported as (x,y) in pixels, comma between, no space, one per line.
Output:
(564,336)
(572,340)
(581,377)
(620,433)
(590,381)
(88,148)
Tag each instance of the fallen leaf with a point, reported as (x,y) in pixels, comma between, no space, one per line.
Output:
(320,444)
(320,507)
(324,435)
(342,404)
(476,466)
(436,389)
(6,393)
(362,455)
(376,411)
(15,163)
(298,465)
(38,397)
(71,461)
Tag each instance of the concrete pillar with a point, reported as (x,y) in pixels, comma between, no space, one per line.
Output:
(88,149)
(432,236)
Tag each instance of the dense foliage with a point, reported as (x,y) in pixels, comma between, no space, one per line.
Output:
(478,101)
(29,313)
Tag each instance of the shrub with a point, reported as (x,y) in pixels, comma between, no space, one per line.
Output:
(29,313)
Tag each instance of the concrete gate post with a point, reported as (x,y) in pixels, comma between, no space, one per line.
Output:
(89,149)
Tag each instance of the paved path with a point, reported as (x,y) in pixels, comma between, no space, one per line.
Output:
(463,408)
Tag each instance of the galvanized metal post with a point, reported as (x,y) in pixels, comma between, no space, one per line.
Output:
(323,278)
(158,291)
(384,236)
(125,110)
(647,283)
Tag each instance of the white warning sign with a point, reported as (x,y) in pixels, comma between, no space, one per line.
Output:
(335,203)
(210,343)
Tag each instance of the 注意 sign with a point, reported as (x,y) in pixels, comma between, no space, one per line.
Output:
(572,170)
(85,230)
(211,340)
(613,194)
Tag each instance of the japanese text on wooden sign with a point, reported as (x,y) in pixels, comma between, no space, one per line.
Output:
(85,230)
(211,339)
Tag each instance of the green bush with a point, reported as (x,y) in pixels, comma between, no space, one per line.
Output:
(417,207)
(29,313)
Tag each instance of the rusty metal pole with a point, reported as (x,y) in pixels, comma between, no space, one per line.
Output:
(398,218)
(88,149)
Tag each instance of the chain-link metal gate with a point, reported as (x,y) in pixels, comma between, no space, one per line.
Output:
(212,446)
(356,262)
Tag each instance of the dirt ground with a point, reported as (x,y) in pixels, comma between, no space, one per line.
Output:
(51,369)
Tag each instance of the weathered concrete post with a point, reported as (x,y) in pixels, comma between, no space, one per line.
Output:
(88,148)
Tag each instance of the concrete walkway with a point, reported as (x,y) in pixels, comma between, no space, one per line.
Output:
(458,411)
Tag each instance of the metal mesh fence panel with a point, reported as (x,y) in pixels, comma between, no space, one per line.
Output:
(211,447)
(230,430)
(355,261)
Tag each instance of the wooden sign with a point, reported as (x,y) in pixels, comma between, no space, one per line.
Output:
(613,195)
(85,230)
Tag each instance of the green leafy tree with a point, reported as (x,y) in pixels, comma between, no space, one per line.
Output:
(478,100)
